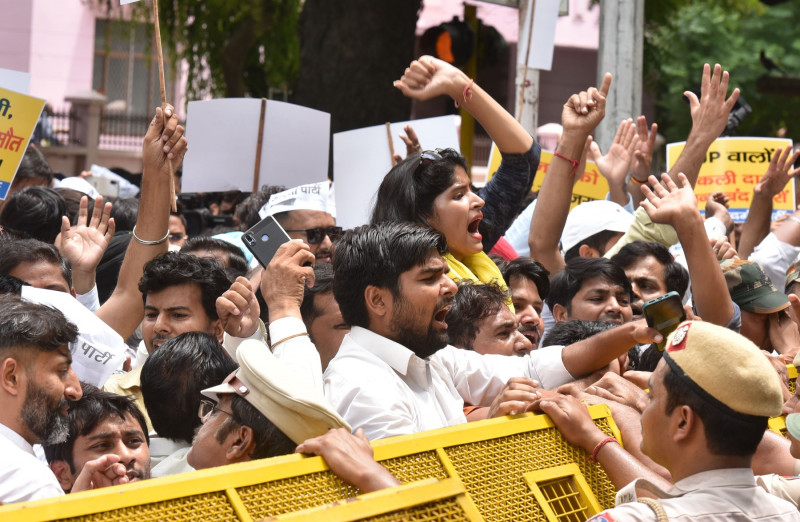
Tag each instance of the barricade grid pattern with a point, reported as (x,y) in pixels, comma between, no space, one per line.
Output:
(492,471)
(210,506)
(306,491)
(444,510)
(565,499)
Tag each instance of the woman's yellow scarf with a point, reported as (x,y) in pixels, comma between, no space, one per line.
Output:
(476,267)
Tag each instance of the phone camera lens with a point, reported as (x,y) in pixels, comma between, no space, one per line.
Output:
(249,239)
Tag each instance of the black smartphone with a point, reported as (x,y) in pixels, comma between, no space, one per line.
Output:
(264,239)
(664,314)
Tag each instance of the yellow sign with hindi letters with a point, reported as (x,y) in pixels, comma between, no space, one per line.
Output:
(734,166)
(591,186)
(18,116)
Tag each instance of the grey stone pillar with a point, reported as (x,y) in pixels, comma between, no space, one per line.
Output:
(88,106)
(620,53)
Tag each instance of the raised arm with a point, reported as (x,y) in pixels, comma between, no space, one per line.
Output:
(676,205)
(642,158)
(429,77)
(756,227)
(709,118)
(615,164)
(85,243)
(579,117)
(164,142)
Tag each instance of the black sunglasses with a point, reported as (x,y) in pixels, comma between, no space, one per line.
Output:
(316,235)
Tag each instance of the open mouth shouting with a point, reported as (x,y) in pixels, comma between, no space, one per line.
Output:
(472,228)
(440,315)
(532,334)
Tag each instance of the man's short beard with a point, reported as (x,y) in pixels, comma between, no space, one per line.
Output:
(403,321)
(43,418)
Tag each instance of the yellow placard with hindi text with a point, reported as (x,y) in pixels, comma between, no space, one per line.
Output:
(18,116)
(734,166)
(591,186)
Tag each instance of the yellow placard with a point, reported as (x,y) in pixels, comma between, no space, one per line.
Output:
(734,166)
(18,116)
(590,187)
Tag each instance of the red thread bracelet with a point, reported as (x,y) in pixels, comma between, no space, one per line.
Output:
(574,163)
(467,93)
(599,446)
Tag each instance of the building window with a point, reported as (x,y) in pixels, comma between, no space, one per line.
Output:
(126,67)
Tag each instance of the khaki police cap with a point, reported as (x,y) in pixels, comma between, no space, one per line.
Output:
(725,368)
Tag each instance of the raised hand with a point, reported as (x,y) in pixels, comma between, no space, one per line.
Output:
(669,203)
(284,279)
(429,77)
(584,111)
(163,142)
(643,156)
(412,143)
(615,164)
(710,112)
(778,173)
(238,309)
(85,243)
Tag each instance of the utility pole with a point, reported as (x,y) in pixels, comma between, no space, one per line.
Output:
(527,81)
(620,53)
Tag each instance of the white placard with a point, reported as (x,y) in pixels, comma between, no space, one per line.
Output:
(222,138)
(361,159)
(16,81)
(542,40)
(99,349)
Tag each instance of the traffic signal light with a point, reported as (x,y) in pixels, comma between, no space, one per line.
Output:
(453,41)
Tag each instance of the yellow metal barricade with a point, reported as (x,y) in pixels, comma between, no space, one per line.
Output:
(792,377)
(508,466)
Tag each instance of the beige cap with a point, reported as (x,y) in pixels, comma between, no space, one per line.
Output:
(288,400)
(724,368)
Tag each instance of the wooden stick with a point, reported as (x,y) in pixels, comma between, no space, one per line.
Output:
(172,198)
(391,143)
(257,169)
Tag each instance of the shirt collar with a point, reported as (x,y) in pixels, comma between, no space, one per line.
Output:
(401,359)
(16,439)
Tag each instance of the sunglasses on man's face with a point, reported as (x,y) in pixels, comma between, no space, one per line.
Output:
(316,235)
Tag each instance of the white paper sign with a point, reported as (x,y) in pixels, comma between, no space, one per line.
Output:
(542,40)
(99,349)
(361,159)
(222,138)
(16,81)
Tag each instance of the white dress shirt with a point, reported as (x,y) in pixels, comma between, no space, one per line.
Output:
(23,477)
(723,495)
(381,386)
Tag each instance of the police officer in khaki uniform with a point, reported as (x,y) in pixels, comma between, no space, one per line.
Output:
(710,398)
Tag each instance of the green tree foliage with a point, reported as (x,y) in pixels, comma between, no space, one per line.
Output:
(232,48)
(683,35)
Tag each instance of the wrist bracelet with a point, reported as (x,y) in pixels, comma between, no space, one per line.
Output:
(287,338)
(574,162)
(467,92)
(792,218)
(640,183)
(145,242)
(599,446)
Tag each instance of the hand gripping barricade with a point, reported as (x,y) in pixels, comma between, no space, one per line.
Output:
(511,468)
(778,424)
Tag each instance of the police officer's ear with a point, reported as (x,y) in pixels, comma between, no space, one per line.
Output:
(242,443)
(683,423)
